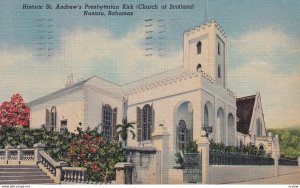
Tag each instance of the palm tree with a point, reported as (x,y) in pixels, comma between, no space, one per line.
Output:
(123,129)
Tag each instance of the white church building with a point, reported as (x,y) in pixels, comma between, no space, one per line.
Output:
(185,100)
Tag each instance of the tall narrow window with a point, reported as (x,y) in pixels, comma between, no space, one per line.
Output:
(107,122)
(199,47)
(219,71)
(53,119)
(47,120)
(219,49)
(147,122)
(258,127)
(205,116)
(181,135)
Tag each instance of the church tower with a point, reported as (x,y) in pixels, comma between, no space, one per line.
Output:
(205,49)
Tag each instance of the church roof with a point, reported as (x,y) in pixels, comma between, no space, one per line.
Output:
(73,86)
(93,81)
(153,78)
(244,112)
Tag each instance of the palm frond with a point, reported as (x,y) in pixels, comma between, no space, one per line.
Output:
(133,134)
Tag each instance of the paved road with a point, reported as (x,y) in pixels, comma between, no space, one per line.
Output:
(284,179)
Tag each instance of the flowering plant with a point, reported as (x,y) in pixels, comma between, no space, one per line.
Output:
(91,150)
(14,112)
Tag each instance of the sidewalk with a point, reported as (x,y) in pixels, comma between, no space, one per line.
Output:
(284,179)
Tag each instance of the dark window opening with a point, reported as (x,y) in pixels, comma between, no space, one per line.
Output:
(199,47)
(198,67)
(64,126)
(107,122)
(147,122)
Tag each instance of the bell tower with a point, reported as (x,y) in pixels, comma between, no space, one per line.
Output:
(205,49)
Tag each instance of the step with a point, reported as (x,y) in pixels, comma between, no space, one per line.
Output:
(18,166)
(20,173)
(20,170)
(26,177)
(33,181)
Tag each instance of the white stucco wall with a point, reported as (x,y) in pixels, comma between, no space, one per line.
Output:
(168,96)
(69,106)
(209,34)
(233,173)
(94,101)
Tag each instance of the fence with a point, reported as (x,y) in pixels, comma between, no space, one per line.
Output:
(288,162)
(223,158)
(192,168)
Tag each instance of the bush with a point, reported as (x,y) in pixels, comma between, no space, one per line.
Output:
(191,147)
(90,149)
(244,149)
(85,149)
(56,144)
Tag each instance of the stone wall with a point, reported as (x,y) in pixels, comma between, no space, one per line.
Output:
(146,164)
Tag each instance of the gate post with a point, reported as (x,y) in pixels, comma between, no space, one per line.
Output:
(124,173)
(160,138)
(203,148)
(276,155)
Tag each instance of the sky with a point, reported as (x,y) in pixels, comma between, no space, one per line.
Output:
(40,48)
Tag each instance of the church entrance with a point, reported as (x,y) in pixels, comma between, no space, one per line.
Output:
(183,123)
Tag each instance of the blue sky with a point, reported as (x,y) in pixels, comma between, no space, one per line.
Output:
(40,48)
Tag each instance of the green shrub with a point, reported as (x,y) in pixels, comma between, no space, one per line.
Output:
(90,149)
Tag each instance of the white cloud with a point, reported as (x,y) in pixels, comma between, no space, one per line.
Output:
(280,93)
(83,53)
(268,60)
(9,58)
(264,41)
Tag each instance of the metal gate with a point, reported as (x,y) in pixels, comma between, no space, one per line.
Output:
(192,168)
(128,175)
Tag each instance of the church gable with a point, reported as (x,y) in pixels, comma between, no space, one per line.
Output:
(244,112)
(105,86)
(257,125)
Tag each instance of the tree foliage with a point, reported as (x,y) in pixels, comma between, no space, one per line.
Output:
(124,129)
(14,112)
(289,141)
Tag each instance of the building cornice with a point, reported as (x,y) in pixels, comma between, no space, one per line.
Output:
(174,79)
(205,25)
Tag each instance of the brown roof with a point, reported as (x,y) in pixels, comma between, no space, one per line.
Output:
(244,112)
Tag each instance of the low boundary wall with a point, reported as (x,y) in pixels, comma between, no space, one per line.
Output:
(219,174)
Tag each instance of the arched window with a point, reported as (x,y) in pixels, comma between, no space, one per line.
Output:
(231,129)
(181,135)
(107,122)
(221,129)
(199,47)
(147,122)
(219,49)
(258,127)
(261,147)
(53,119)
(219,71)
(205,116)
(199,67)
